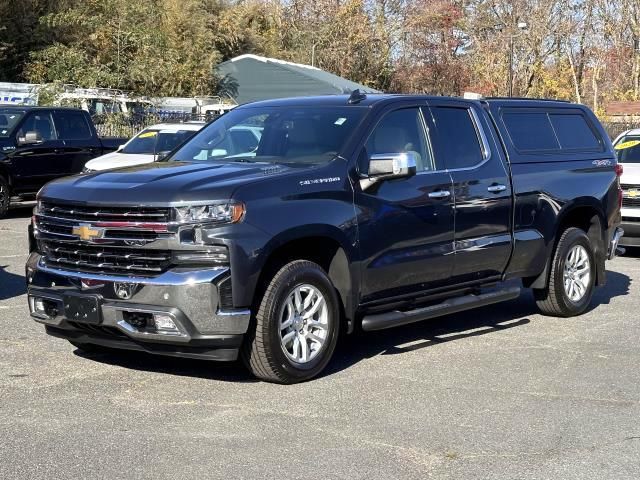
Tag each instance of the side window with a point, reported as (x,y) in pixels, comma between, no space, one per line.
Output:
(398,132)
(40,123)
(530,131)
(72,125)
(458,141)
(550,130)
(574,132)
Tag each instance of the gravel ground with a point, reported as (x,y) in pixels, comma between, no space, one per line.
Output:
(495,393)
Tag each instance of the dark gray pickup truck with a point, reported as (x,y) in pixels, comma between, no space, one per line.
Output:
(350,212)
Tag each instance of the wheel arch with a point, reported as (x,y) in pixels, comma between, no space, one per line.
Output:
(587,215)
(325,245)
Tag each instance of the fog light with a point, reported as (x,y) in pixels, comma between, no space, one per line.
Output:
(164,323)
(43,307)
(38,306)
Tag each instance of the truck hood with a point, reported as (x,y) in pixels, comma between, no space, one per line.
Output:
(630,174)
(118,160)
(159,183)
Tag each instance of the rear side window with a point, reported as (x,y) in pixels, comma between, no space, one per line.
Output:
(458,141)
(550,131)
(72,125)
(531,131)
(573,131)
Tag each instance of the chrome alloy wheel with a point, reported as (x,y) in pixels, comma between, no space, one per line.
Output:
(577,273)
(304,323)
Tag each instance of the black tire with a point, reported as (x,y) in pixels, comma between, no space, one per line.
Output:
(262,351)
(554,300)
(90,347)
(5,197)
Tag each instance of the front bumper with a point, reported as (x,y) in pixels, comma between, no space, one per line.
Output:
(190,298)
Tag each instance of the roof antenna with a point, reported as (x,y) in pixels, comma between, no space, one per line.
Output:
(356,96)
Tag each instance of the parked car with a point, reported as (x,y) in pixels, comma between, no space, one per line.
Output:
(146,146)
(352,212)
(627,147)
(40,144)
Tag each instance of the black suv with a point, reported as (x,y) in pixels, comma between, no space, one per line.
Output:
(351,212)
(40,144)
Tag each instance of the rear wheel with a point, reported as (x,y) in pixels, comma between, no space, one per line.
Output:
(296,326)
(572,277)
(5,196)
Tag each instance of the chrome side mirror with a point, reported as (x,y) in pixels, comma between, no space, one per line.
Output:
(387,166)
(30,138)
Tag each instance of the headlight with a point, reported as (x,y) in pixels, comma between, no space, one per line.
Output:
(216,213)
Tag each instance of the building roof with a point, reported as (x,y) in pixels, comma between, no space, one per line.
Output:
(249,78)
(622,108)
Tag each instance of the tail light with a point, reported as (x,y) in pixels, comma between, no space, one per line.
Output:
(618,169)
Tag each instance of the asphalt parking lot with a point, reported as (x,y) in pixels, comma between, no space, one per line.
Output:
(495,393)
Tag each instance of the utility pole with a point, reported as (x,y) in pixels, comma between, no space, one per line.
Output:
(522,27)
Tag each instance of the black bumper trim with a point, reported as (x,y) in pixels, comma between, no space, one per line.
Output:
(223,348)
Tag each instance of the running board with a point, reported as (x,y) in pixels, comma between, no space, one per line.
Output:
(380,321)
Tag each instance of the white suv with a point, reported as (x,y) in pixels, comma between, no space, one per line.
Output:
(627,147)
(146,146)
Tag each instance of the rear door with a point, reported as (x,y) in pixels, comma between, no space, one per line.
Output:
(79,143)
(35,164)
(481,189)
(405,225)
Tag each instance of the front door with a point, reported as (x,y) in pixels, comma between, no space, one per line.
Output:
(34,164)
(481,189)
(405,225)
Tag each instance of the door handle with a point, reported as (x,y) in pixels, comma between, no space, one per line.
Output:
(440,194)
(496,188)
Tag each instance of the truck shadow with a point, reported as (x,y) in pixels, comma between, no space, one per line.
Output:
(360,346)
(11,285)
(472,323)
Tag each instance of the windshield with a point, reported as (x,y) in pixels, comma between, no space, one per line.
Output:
(628,149)
(9,118)
(292,135)
(98,106)
(139,107)
(152,141)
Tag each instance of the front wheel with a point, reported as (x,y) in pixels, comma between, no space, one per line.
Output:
(572,278)
(296,326)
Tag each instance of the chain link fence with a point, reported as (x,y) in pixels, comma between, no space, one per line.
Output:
(126,126)
(616,128)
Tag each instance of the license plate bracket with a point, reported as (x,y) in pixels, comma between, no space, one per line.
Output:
(83,308)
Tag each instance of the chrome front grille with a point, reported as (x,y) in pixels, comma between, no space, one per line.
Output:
(109,240)
(630,195)
(91,258)
(107,214)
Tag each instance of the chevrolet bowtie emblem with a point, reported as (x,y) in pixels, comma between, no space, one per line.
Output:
(86,233)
